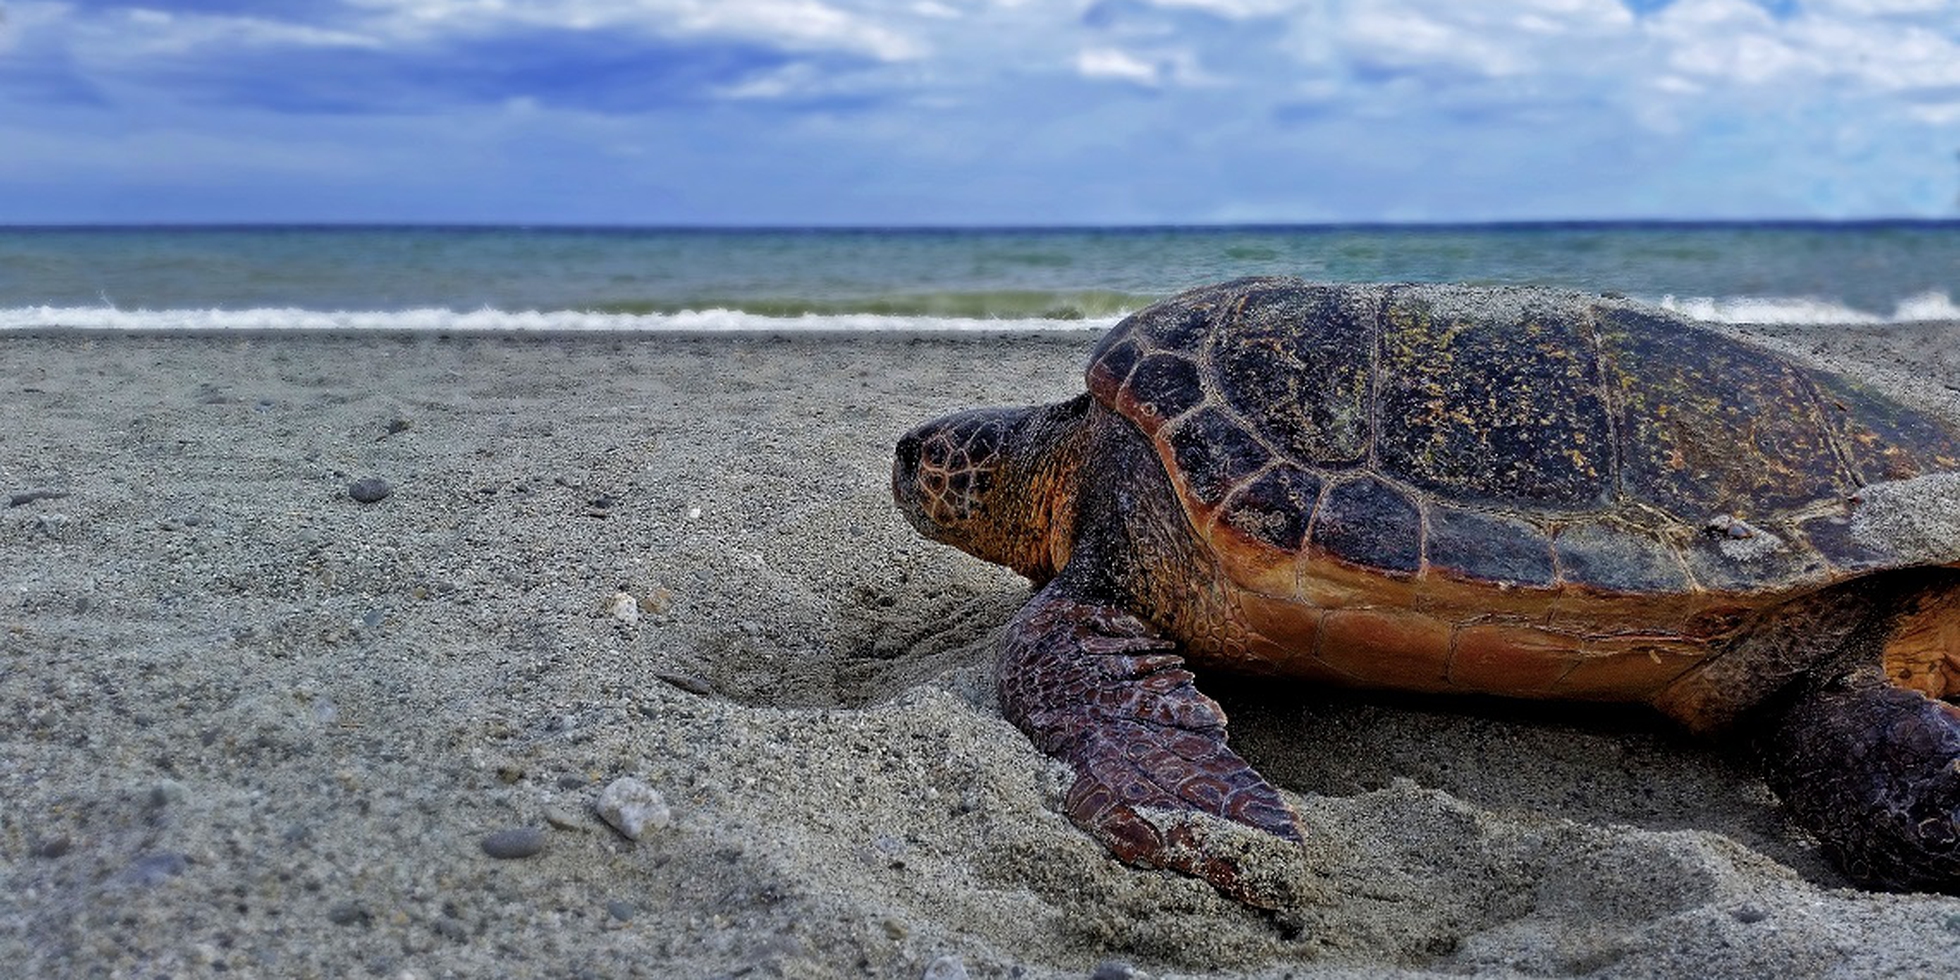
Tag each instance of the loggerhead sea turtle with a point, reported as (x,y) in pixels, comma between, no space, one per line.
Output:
(1444,488)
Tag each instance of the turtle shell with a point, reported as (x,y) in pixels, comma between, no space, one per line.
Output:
(1371,438)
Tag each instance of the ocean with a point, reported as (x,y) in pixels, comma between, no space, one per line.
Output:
(511,278)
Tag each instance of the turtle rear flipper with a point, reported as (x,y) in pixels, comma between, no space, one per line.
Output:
(1873,770)
(1094,686)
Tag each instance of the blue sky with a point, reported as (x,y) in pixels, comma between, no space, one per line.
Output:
(976,111)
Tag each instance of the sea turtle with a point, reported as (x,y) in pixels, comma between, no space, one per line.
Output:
(1510,491)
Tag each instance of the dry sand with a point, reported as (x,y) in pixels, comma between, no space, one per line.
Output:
(252,727)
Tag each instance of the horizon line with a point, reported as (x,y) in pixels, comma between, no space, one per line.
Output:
(942,227)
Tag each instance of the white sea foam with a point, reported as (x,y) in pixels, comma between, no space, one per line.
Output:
(1757,309)
(1930,306)
(435,320)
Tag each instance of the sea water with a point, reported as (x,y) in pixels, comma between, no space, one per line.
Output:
(490,278)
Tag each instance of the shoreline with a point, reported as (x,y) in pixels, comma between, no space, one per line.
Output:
(979,331)
(263,728)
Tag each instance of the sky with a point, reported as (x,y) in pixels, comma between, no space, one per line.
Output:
(963,112)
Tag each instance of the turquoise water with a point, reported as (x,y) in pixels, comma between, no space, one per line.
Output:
(875,279)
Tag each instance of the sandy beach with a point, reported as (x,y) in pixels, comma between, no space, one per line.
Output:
(252,726)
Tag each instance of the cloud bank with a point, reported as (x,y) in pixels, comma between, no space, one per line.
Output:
(989,111)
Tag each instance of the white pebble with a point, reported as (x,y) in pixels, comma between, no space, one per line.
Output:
(694,513)
(632,808)
(624,608)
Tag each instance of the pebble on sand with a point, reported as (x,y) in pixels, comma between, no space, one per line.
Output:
(369,490)
(563,819)
(26,497)
(153,869)
(623,607)
(948,967)
(632,808)
(516,842)
(657,601)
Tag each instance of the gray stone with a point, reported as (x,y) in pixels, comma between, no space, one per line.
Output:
(26,497)
(563,818)
(348,914)
(369,490)
(516,842)
(632,808)
(153,869)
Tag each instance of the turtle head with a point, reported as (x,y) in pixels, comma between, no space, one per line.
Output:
(996,483)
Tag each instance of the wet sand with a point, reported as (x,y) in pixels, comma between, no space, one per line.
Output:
(250,726)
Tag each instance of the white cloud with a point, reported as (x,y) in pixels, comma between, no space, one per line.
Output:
(1724,41)
(791,22)
(1829,51)
(786,81)
(794,24)
(1686,64)
(1110,63)
(1155,69)
(1487,40)
(1890,56)
(1869,8)
(1234,9)
(1410,40)
(794,81)
(143,31)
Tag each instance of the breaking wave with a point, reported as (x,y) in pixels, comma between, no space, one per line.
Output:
(437,321)
(1923,308)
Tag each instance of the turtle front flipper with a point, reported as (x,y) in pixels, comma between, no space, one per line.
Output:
(1096,687)
(1873,770)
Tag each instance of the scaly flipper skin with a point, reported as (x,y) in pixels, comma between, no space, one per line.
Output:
(1094,686)
(1874,771)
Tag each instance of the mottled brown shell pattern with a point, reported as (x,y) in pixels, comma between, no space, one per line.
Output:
(1521,437)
